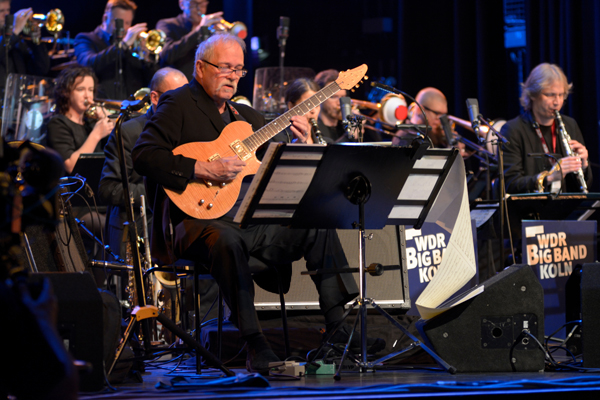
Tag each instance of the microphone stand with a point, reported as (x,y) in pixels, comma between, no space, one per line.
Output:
(500,141)
(282,35)
(144,312)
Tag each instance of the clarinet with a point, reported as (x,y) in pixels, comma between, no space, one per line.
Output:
(565,139)
(315,128)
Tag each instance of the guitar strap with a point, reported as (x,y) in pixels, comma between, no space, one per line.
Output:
(235,113)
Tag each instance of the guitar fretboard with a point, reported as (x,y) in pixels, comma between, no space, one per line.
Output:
(265,133)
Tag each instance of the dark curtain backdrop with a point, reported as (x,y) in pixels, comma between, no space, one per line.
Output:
(567,33)
(454,45)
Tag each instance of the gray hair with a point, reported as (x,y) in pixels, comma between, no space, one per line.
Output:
(205,49)
(540,78)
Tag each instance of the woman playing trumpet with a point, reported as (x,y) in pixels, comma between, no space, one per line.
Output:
(70,133)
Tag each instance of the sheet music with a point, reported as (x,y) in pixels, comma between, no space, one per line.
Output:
(288,184)
(451,211)
(268,157)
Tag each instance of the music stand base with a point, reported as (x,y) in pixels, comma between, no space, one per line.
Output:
(370,366)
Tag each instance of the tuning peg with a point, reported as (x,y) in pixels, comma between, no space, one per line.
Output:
(366,77)
(352,90)
(357,86)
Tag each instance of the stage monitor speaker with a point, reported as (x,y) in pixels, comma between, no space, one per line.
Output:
(389,290)
(485,333)
(80,322)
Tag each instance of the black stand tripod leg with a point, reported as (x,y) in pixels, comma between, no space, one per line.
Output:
(330,334)
(200,351)
(416,342)
(126,337)
(338,375)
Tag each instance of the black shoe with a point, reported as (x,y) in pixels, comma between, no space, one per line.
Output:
(259,361)
(374,345)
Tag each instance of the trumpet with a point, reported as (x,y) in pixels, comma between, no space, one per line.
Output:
(53,22)
(149,44)
(236,28)
(391,110)
(565,138)
(107,106)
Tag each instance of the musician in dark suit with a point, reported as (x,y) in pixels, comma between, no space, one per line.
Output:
(199,112)
(183,34)
(110,190)
(535,131)
(24,56)
(101,51)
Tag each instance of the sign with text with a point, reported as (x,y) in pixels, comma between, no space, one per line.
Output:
(552,249)
(424,250)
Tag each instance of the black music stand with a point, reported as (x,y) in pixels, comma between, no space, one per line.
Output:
(320,187)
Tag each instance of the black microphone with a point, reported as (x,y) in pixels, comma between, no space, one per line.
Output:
(204,33)
(346,107)
(473,107)
(8,24)
(387,88)
(119,30)
(135,105)
(538,155)
(283,30)
(8,28)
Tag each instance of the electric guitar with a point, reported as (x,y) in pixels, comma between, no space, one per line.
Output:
(203,199)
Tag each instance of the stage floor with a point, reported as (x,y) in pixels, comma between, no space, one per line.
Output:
(170,380)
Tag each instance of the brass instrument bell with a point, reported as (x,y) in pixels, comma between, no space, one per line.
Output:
(53,22)
(236,28)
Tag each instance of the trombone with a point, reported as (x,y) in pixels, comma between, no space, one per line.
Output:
(391,110)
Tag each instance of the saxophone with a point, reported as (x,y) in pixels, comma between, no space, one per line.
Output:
(565,139)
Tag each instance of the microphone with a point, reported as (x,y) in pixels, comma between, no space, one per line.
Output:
(204,34)
(538,155)
(119,30)
(473,107)
(387,88)
(135,105)
(8,24)
(346,107)
(283,30)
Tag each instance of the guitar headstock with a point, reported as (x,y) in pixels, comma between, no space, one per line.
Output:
(352,77)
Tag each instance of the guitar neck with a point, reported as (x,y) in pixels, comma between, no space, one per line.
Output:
(268,131)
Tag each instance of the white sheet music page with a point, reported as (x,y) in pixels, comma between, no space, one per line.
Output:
(451,212)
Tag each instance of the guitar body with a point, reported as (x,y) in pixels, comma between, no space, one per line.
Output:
(209,201)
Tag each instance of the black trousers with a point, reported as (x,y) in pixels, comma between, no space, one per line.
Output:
(224,249)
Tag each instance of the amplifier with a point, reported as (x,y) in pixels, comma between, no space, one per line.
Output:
(389,290)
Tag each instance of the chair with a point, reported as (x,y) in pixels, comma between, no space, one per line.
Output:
(257,268)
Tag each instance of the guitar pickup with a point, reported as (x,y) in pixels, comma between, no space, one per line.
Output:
(241,150)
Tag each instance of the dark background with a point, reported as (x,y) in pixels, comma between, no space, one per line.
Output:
(454,45)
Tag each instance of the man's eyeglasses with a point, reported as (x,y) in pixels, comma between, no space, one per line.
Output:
(437,113)
(226,70)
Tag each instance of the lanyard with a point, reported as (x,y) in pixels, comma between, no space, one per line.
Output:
(538,131)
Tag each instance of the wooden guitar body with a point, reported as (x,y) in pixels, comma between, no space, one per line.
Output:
(209,200)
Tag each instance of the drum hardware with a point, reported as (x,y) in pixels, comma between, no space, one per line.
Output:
(236,28)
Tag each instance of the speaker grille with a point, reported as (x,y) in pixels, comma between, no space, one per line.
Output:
(389,290)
